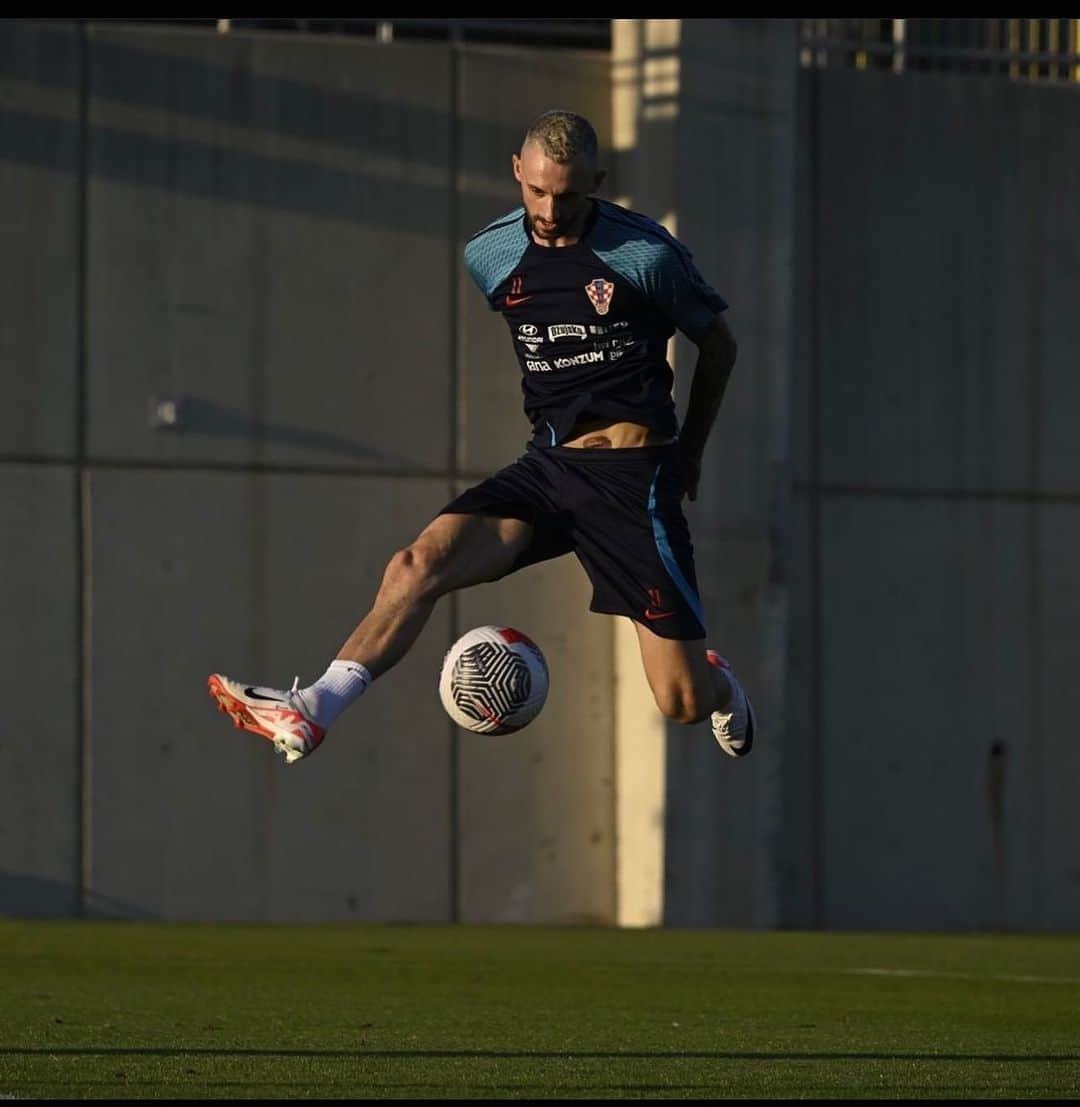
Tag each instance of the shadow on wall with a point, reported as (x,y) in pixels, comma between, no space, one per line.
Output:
(193,417)
(232,133)
(33,897)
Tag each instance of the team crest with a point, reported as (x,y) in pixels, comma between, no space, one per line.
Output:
(600,292)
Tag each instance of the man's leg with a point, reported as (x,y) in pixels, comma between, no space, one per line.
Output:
(452,552)
(681,679)
(691,684)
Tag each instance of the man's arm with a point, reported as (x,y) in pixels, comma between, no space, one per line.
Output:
(716,356)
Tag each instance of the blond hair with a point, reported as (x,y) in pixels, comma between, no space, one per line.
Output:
(564,137)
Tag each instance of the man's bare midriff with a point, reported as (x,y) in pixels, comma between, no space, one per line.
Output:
(614,436)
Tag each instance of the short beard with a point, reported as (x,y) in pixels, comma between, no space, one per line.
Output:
(539,233)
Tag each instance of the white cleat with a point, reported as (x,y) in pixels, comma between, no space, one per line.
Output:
(734,728)
(276,715)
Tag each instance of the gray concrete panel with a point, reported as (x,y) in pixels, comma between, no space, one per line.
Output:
(501,92)
(930,278)
(735,167)
(797,845)
(260,577)
(1055,709)
(39,236)
(713,800)
(537,809)
(269,242)
(804,315)
(733,126)
(928,745)
(39,666)
(1055,329)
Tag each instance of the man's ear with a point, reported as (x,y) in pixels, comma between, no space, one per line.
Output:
(517,167)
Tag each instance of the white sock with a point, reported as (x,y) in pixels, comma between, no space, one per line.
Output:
(342,683)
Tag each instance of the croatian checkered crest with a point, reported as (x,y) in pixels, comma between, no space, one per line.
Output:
(494,680)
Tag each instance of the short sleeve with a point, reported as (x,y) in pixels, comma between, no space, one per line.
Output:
(681,292)
(492,254)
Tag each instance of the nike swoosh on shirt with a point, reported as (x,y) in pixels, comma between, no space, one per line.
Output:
(651,615)
(513,301)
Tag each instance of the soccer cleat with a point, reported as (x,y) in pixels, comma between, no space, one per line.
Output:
(733,729)
(275,714)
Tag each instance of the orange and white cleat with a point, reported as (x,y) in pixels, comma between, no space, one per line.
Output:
(734,728)
(277,715)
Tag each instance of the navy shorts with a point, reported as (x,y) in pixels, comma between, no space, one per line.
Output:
(620,512)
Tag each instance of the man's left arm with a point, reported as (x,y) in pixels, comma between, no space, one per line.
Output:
(716,357)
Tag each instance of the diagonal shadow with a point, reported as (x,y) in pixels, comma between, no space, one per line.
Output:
(225,80)
(410,141)
(28,896)
(203,417)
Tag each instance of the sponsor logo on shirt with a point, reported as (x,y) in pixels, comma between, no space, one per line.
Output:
(527,334)
(579,359)
(566,330)
(537,366)
(623,342)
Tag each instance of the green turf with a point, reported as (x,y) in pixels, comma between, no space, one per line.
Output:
(187,1011)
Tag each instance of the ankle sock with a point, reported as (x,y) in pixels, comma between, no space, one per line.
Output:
(339,686)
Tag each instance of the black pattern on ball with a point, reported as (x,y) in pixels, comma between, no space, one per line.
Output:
(490,682)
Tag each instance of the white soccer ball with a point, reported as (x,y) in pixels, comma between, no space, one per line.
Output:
(494,680)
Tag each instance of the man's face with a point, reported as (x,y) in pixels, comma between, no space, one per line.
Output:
(556,197)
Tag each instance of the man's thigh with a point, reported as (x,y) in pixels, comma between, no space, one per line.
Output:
(462,550)
(633,540)
(520,492)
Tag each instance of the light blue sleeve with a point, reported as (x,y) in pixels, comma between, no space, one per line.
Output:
(493,253)
(659,266)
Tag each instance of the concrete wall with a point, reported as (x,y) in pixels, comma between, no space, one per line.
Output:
(40,148)
(40,828)
(934,457)
(269,233)
(40,767)
(709,149)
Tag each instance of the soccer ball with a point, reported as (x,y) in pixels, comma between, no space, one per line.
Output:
(494,680)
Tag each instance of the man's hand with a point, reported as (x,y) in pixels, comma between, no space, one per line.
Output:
(691,473)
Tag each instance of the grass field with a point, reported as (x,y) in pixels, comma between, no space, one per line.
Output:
(189,1011)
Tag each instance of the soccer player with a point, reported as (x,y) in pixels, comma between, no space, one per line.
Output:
(591,293)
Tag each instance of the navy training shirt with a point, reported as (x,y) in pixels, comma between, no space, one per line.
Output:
(590,322)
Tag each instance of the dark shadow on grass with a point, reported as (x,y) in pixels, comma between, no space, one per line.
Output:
(547,1089)
(510,1054)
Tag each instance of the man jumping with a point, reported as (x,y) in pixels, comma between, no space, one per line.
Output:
(591,293)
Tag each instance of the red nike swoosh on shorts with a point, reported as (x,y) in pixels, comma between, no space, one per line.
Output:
(513,301)
(649,614)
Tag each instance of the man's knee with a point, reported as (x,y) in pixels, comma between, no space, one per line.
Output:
(683,702)
(415,569)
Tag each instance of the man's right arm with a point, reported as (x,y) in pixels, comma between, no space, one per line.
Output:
(716,357)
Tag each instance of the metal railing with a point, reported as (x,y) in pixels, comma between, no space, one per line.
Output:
(1016,49)
(580,33)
